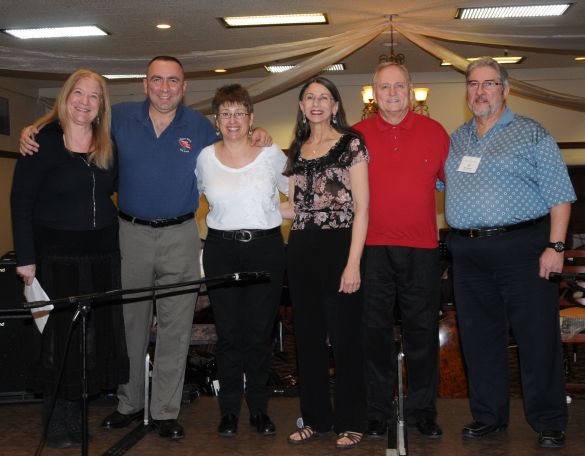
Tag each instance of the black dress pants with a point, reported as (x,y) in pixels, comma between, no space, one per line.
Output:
(497,287)
(316,260)
(244,317)
(409,278)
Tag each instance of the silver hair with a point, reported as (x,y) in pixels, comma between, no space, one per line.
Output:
(383,65)
(489,62)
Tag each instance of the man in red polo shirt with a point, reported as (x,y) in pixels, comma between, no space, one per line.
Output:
(407,154)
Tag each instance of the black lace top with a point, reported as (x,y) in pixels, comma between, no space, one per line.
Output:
(322,198)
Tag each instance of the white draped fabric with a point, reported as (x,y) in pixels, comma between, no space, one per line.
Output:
(517,87)
(332,49)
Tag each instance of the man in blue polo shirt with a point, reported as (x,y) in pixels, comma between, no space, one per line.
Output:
(508,203)
(158,142)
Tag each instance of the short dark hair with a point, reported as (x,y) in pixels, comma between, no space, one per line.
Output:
(232,94)
(165,58)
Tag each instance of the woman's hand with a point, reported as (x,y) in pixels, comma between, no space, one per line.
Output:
(27,273)
(27,143)
(350,279)
(260,138)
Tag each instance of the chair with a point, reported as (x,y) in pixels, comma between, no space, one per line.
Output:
(572,313)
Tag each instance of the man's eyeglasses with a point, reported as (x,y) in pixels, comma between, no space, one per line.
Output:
(225,115)
(486,85)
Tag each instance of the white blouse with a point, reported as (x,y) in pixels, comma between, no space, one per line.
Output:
(242,198)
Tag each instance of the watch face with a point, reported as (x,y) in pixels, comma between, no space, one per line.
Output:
(559,246)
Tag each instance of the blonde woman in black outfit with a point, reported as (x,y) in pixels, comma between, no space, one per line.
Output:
(66,235)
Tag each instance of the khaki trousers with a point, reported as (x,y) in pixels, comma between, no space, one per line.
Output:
(158,256)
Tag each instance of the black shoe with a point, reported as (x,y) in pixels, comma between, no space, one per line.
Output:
(120,420)
(169,429)
(61,441)
(376,428)
(551,439)
(429,428)
(58,435)
(478,429)
(263,423)
(228,426)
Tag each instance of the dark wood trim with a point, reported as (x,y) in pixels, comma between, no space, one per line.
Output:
(571,145)
(7,154)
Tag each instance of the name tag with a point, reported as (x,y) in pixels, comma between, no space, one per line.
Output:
(469,164)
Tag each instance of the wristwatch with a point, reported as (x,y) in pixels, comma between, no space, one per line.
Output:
(558,246)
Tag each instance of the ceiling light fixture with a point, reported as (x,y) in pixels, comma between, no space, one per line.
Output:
(392,58)
(504,12)
(163,26)
(580,58)
(283,68)
(124,76)
(504,60)
(280,19)
(56,32)
(220,70)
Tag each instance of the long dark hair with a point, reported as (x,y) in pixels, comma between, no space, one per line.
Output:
(303,128)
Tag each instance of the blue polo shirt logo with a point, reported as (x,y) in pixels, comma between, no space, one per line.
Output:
(185,145)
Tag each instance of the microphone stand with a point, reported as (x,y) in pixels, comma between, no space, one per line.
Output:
(84,303)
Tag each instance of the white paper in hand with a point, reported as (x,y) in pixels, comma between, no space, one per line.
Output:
(35,292)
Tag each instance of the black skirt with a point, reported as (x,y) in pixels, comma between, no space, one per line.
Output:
(72,263)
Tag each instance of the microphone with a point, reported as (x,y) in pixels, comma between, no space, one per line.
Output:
(245,276)
(566,276)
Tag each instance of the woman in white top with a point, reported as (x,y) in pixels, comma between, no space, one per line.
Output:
(242,184)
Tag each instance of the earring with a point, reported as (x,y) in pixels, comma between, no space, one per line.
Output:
(217,132)
(334,119)
(304,119)
(250,131)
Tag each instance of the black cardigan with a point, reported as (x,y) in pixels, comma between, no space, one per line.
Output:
(55,188)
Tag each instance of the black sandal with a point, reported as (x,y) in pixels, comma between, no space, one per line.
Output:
(354,438)
(306,434)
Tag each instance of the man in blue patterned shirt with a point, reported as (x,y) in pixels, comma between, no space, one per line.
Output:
(508,202)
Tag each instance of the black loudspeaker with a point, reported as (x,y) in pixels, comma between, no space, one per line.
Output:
(20,340)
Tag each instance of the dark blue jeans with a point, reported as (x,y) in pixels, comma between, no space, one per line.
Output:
(497,288)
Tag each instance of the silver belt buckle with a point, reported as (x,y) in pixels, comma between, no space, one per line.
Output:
(243,236)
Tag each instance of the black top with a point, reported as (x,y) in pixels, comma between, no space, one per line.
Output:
(60,190)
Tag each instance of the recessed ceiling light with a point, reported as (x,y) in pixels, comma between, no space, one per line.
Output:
(280,19)
(283,68)
(163,26)
(502,12)
(124,76)
(220,70)
(505,60)
(56,32)
(580,58)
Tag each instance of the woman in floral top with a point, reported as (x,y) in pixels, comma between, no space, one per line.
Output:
(328,188)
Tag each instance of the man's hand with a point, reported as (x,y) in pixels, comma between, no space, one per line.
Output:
(260,138)
(27,273)
(550,261)
(28,145)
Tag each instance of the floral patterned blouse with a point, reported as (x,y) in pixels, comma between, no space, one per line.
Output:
(322,198)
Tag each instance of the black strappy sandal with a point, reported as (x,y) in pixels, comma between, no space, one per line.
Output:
(306,434)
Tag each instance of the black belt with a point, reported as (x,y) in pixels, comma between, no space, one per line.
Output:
(243,235)
(487,232)
(157,223)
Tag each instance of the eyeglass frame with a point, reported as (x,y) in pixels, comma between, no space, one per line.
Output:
(488,84)
(226,115)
